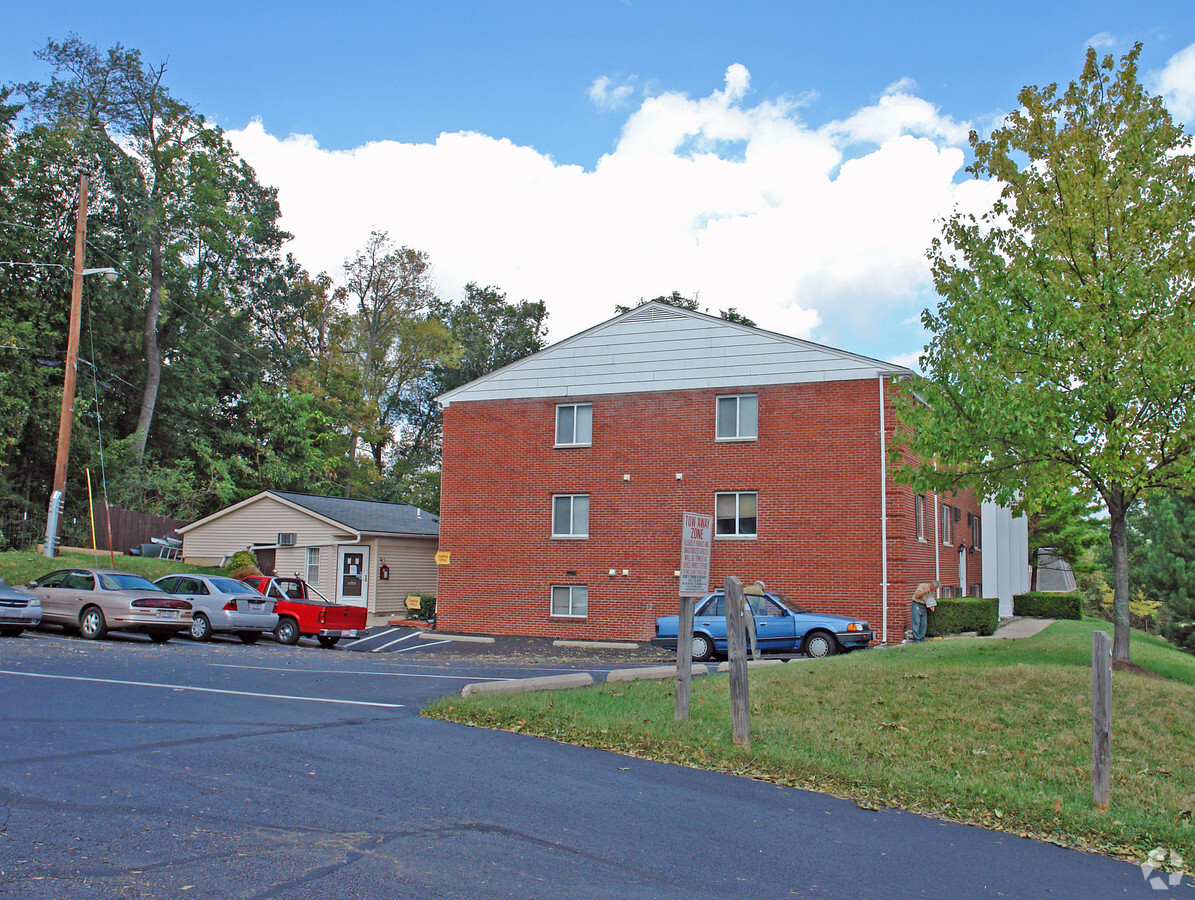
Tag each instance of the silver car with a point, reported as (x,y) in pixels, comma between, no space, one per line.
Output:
(18,610)
(222,604)
(98,600)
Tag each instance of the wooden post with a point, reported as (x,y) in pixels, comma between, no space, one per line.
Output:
(684,657)
(1101,720)
(736,652)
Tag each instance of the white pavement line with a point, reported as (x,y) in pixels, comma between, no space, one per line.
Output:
(422,646)
(405,637)
(351,672)
(369,637)
(202,690)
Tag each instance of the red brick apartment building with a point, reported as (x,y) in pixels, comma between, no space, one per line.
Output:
(566,475)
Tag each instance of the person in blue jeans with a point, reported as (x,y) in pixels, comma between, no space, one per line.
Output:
(925,593)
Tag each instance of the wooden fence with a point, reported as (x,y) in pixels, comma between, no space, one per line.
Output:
(131,528)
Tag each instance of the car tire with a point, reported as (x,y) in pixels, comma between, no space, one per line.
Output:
(201,628)
(703,647)
(160,637)
(287,631)
(248,637)
(92,624)
(819,644)
(326,640)
(9,631)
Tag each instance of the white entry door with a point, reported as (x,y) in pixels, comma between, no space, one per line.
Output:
(352,576)
(962,570)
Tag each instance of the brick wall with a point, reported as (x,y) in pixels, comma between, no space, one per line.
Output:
(815,467)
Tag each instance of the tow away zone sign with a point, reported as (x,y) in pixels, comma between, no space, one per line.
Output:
(697,536)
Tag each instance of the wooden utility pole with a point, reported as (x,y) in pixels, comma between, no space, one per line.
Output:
(58,493)
(1101,720)
(736,653)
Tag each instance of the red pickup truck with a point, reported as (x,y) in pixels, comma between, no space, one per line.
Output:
(305,612)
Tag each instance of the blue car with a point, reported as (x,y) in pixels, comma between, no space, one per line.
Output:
(781,626)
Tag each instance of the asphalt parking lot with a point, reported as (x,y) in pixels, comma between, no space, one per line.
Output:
(129,769)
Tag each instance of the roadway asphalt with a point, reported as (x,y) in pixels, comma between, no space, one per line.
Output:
(219,770)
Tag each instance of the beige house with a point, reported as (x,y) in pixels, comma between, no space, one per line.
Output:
(362,552)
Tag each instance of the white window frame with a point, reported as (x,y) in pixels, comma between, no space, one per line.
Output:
(946,516)
(313,567)
(572,603)
(919,516)
(575,407)
(739,434)
(572,533)
(738,533)
(976,532)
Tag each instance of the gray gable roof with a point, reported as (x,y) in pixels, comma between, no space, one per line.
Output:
(658,347)
(368,516)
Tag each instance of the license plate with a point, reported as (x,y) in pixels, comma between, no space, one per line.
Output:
(256,607)
(167,613)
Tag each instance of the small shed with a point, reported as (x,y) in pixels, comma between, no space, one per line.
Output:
(362,552)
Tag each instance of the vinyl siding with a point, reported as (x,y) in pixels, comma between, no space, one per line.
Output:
(655,350)
(261,523)
(412,563)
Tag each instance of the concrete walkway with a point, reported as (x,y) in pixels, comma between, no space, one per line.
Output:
(1019,627)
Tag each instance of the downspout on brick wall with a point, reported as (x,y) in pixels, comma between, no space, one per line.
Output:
(883,513)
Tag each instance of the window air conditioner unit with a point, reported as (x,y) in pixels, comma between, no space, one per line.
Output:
(287,539)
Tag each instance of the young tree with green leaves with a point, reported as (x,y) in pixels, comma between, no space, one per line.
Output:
(1062,353)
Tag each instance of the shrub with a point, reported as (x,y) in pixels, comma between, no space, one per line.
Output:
(957,614)
(427,607)
(242,559)
(1040,605)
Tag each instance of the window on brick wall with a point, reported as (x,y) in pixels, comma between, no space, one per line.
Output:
(945,524)
(735,514)
(570,516)
(313,565)
(919,515)
(574,425)
(738,416)
(976,530)
(570,600)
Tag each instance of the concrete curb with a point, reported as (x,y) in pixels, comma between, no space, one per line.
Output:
(465,638)
(652,672)
(528,685)
(598,645)
(753,664)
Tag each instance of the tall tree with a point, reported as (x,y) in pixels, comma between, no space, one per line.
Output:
(389,338)
(199,205)
(1062,352)
(1167,573)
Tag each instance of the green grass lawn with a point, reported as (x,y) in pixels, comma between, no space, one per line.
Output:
(20,567)
(990,732)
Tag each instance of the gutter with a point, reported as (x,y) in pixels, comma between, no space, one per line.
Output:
(883,513)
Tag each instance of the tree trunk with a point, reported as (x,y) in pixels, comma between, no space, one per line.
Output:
(1120,574)
(153,355)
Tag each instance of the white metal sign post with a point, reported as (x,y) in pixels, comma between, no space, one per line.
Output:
(697,536)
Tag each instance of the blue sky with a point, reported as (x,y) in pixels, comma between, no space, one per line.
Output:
(788,159)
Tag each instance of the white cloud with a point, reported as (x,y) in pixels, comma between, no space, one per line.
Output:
(744,205)
(607,95)
(1176,83)
(908,360)
(1102,41)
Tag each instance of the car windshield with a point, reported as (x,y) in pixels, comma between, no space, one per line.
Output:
(791,604)
(120,581)
(230,586)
